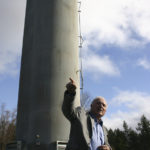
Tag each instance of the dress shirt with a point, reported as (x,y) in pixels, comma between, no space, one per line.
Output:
(97,134)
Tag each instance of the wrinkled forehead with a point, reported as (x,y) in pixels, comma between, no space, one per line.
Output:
(99,99)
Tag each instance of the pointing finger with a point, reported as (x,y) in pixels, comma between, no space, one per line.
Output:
(72,81)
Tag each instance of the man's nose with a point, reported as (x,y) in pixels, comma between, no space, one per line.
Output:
(101,106)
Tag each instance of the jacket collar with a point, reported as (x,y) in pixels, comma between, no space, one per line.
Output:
(90,123)
(95,119)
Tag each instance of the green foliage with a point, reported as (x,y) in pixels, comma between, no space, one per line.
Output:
(7,126)
(144,133)
(117,139)
(129,139)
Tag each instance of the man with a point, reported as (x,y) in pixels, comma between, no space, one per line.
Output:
(87,131)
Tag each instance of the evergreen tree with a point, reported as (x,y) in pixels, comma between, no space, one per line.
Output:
(133,141)
(111,138)
(129,139)
(117,139)
(144,133)
(126,131)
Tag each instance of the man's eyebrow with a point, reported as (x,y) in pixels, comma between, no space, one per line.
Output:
(102,102)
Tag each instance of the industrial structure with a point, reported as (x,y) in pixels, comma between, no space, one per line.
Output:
(49,58)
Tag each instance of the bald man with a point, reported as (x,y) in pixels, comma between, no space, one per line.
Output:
(87,130)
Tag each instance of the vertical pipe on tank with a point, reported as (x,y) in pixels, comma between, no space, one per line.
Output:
(49,58)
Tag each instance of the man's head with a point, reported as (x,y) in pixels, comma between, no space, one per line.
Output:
(98,107)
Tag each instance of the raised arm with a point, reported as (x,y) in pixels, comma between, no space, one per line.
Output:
(68,102)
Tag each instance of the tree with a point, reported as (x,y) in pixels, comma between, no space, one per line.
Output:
(126,132)
(111,138)
(144,133)
(7,126)
(132,139)
(129,139)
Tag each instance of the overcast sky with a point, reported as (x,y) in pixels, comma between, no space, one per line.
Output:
(115,55)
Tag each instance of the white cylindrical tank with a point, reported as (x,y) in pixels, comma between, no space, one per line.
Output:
(49,57)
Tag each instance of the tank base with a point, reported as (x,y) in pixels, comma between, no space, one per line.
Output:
(19,145)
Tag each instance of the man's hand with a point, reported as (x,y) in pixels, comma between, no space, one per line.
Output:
(103,147)
(71,86)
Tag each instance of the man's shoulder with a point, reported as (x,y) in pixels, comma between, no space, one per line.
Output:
(81,110)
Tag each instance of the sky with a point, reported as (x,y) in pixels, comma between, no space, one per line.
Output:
(115,55)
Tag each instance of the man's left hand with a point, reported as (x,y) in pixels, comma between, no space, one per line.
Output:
(103,147)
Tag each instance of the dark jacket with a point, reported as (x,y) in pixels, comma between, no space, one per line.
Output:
(81,125)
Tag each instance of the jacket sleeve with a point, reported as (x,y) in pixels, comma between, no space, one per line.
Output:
(68,106)
(106,138)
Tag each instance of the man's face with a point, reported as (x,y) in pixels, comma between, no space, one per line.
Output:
(98,107)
